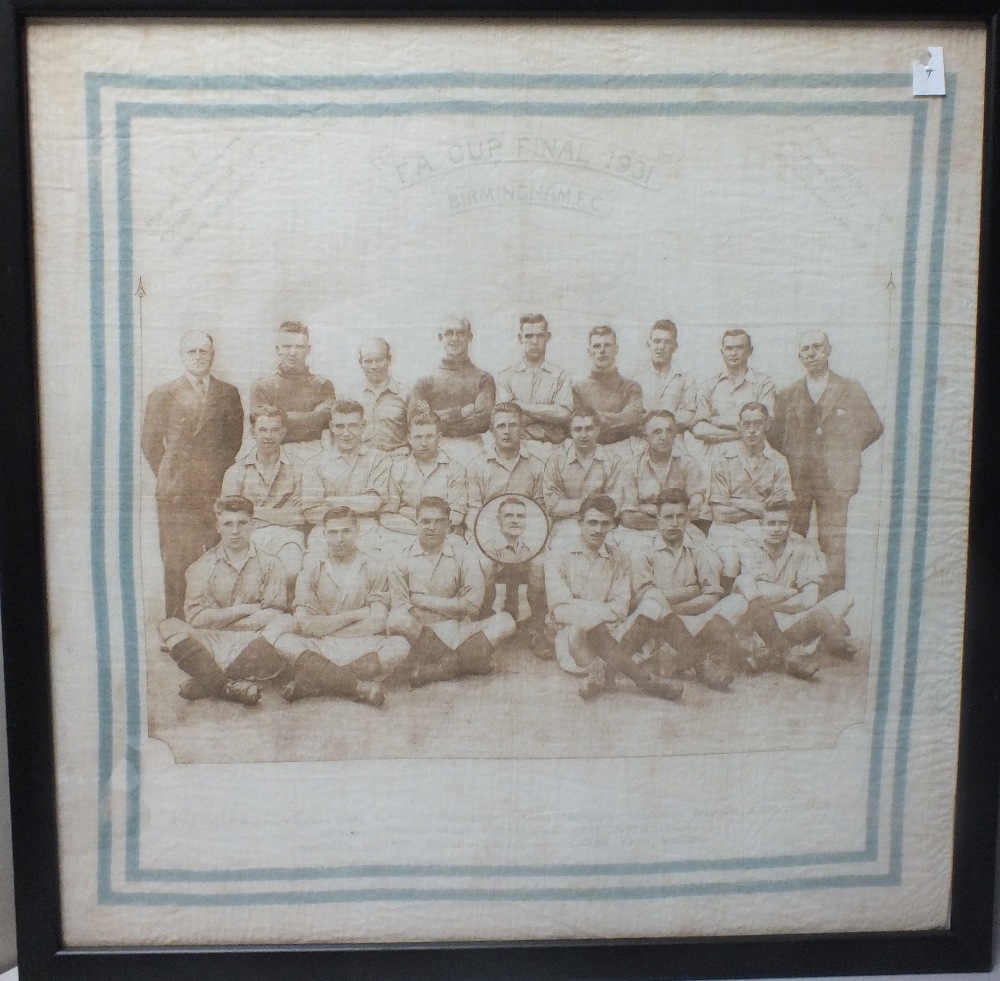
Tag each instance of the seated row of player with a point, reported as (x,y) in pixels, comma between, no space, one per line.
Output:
(359,623)
(383,491)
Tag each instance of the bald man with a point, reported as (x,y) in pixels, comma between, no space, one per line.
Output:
(384,399)
(191,434)
(822,425)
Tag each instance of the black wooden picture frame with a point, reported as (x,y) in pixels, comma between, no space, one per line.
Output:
(966,946)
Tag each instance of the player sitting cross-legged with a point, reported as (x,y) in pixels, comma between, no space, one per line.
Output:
(780,578)
(589,590)
(234,610)
(339,646)
(680,601)
(437,590)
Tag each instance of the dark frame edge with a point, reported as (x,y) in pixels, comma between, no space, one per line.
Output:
(965,947)
(22,568)
(975,840)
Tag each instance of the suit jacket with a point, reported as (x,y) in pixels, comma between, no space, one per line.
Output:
(190,448)
(823,442)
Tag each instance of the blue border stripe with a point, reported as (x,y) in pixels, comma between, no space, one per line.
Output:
(450,894)
(460,107)
(917,111)
(499,80)
(898,486)
(127,478)
(506,871)
(128,110)
(924,465)
(98,562)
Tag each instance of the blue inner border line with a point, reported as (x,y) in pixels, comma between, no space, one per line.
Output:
(495,80)
(126,112)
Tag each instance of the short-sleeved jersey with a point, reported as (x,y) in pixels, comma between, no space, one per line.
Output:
(385,416)
(761,478)
(576,573)
(670,569)
(567,477)
(279,489)
(507,552)
(671,390)
(545,385)
(410,480)
(214,583)
(722,396)
(798,565)
(326,587)
(488,476)
(641,484)
(331,474)
(452,573)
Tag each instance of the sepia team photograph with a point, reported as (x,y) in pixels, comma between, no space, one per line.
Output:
(639,556)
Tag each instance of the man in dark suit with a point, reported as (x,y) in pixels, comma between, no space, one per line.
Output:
(822,425)
(191,434)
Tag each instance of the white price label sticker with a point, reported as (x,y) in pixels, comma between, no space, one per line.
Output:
(928,73)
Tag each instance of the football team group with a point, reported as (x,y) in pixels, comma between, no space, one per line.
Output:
(329,545)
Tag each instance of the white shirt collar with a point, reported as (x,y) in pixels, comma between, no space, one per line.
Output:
(389,386)
(336,453)
(251,459)
(523,366)
(491,453)
(599,454)
(251,553)
(578,546)
(417,549)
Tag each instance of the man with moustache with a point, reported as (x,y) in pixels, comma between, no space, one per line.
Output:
(382,398)
(437,590)
(460,394)
(512,520)
(305,398)
(542,390)
(511,561)
(617,400)
(663,387)
(823,423)
(191,433)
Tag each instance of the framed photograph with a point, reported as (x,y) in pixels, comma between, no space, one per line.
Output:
(497,495)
